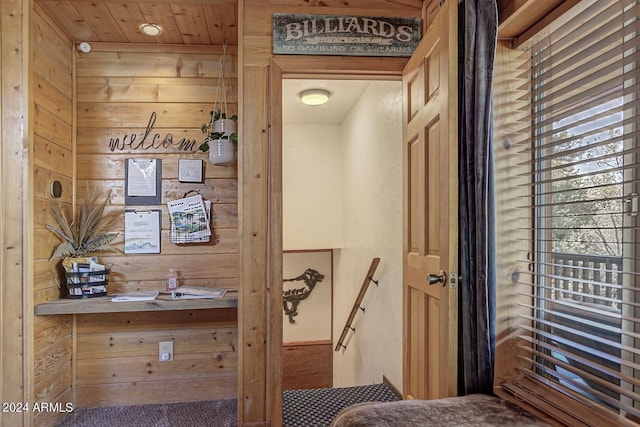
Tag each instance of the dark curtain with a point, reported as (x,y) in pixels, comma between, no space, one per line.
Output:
(478,21)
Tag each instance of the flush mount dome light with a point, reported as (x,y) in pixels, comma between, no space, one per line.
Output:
(314,96)
(151,29)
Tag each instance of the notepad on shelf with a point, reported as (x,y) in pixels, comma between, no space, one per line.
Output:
(135,296)
(195,292)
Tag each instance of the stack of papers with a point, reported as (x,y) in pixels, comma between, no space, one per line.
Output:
(135,296)
(195,292)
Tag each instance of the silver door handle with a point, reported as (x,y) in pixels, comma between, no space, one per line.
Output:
(440,278)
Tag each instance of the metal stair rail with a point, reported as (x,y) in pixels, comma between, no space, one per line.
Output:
(356,306)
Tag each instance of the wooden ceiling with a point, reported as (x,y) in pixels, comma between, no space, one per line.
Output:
(204,22)
(211,22)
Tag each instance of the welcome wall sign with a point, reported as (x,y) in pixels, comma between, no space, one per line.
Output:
(147,141)
(344,35)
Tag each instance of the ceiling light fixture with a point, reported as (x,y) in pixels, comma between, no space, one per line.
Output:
(314,96)
(151,29)
(84,47)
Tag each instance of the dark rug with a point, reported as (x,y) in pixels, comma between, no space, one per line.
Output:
(301,408)
(219,413)
(318,407)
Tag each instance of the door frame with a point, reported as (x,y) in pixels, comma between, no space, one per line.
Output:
(300,67)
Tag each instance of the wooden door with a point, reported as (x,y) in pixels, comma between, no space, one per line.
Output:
(430,223)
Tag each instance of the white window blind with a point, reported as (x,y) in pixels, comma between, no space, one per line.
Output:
(583,336)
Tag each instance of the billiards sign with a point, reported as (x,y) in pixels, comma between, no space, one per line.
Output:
(344,35)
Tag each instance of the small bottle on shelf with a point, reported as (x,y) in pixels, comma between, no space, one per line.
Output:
(172,281)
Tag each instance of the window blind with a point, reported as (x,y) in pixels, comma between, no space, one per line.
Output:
(582,336)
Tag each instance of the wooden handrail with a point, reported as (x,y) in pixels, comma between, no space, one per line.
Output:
(363,290)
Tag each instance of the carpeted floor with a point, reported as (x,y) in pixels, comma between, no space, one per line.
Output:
(301,408)
(318,407)
(218,413)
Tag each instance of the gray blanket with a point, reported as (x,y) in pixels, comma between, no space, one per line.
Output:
(465,411)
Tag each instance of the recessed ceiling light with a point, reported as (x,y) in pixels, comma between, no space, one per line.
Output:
(314,96)
(151,29)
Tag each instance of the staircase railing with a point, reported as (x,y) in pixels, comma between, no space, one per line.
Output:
(356,306)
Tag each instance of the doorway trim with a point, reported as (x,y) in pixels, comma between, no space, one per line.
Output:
(299,67)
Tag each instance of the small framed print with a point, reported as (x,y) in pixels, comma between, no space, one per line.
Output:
(190,170)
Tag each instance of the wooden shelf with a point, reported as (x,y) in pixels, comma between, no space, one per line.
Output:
(105,305)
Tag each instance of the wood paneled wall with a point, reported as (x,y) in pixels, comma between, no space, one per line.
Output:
(307,365)
(52,145)
(14,176)
(119,87)
(260,314)
(117,357)
(52,159)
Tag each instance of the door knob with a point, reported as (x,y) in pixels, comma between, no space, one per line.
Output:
(440,278)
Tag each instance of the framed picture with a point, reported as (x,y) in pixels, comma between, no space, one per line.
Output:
(190,170)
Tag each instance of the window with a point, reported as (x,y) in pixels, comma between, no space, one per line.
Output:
(583,331)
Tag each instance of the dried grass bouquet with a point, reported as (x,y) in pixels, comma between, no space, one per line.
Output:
(90,232)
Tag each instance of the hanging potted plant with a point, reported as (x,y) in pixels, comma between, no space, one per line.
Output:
(221,137)
(220,131)
(81,237)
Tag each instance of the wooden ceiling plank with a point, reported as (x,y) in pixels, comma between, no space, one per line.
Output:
(191,23)
(128,17)
(213,2)
(408,5)
(214,27)
(66,15)
(229,19)
(162,15)
(98,17)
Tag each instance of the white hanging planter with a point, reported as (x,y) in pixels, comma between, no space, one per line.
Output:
(221,151)
(221,129)
(225,126)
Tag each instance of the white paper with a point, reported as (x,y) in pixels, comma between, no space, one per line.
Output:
(141,177)
(94,266)
(142,232)
(135,296)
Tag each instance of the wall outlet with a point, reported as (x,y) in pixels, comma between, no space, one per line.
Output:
(165,351)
